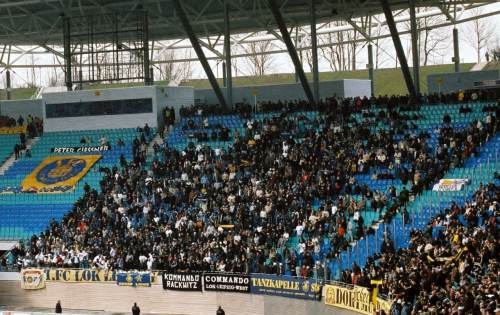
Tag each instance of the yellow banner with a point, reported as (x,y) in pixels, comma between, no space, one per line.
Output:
(12,130)
(32,279)
(383,304)
(57,173)
(357,299)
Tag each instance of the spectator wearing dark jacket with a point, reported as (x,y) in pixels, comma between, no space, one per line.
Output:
(58,309)
(220,311)
(136,310)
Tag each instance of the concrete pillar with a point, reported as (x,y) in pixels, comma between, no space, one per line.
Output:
(314,48)
(414,47)
(456,50)
(8,88)
(370,68)
(67,54)
(227,54)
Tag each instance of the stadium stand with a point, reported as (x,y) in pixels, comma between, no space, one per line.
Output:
(449,264)
(374,171)
(7,143)
(344,192)
(174,171)
(23,214)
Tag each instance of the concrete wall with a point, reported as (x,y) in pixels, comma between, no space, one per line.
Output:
(100,122)
(161,97)
(292,91)
(22,107)
(448,82)
(10,276)
(165,96)
(168,96)
(111,298)
(354,88)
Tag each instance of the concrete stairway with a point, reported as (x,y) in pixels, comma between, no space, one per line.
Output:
(10,161)
(150,151)
(478,66)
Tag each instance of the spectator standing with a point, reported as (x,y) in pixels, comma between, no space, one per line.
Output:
(17,149)
(147,130)
(136,310)
(103,140)
(220,311)
(167,116)
(20,120)
(120,143)
(86,188)
(22,138)
(58,309)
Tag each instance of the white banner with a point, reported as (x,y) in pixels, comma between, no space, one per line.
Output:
(451,184)
(32,279)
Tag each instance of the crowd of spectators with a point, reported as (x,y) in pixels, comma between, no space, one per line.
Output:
(205,131)
(235,209)
(6,121)
(456,272)
(287,176)
(243,109)
(34,127)
(402,102)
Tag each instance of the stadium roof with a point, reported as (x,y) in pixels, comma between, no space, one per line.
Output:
(39,22)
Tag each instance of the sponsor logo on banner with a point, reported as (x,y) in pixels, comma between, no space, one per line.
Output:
(32,279)
(81,149)
(226,282)
(80,275)
(286,286)
(182,281)
(56,172)
(12,130)
(133,278)
(450,184)
(356,298)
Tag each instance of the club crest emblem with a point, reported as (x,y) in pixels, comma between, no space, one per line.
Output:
(60,170)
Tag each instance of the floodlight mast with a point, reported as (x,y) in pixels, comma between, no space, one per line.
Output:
(95,47)
(414,47)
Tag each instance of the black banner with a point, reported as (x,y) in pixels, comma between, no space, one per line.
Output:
(182,281)
(100,148)
(226,282)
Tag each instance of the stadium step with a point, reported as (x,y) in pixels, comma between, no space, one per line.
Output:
(157,139)
(12,159)
(419,210)
(150,152)
(478,66)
